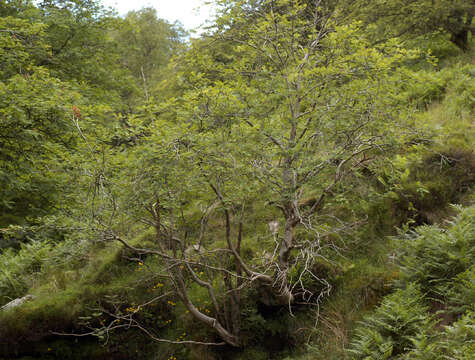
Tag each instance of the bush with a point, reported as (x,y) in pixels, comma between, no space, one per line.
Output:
(436,268)
(17,269)
(433,257)
(461,292)
(459,342)
(389,331)
(456,342)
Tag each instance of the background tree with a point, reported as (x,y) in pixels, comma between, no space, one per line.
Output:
(409,19)
(77,33)
(146,45)
(35,127)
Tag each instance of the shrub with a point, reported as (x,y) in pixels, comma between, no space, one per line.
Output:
(17,269)
(389,331)
(434,257)
(456,342)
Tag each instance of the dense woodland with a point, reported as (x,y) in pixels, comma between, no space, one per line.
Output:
(297,182)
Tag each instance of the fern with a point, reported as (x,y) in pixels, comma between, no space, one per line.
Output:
(389,331)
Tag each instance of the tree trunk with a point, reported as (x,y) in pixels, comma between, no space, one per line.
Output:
(287,244)
(460,39)
(223,333)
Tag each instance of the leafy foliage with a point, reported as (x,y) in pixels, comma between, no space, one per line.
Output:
(433,257)
(388,332)
(418,17)
(437,269)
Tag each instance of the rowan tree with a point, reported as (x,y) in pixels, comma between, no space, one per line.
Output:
(278,126)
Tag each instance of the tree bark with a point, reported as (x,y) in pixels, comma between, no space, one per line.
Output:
(460,39)
(198,315)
